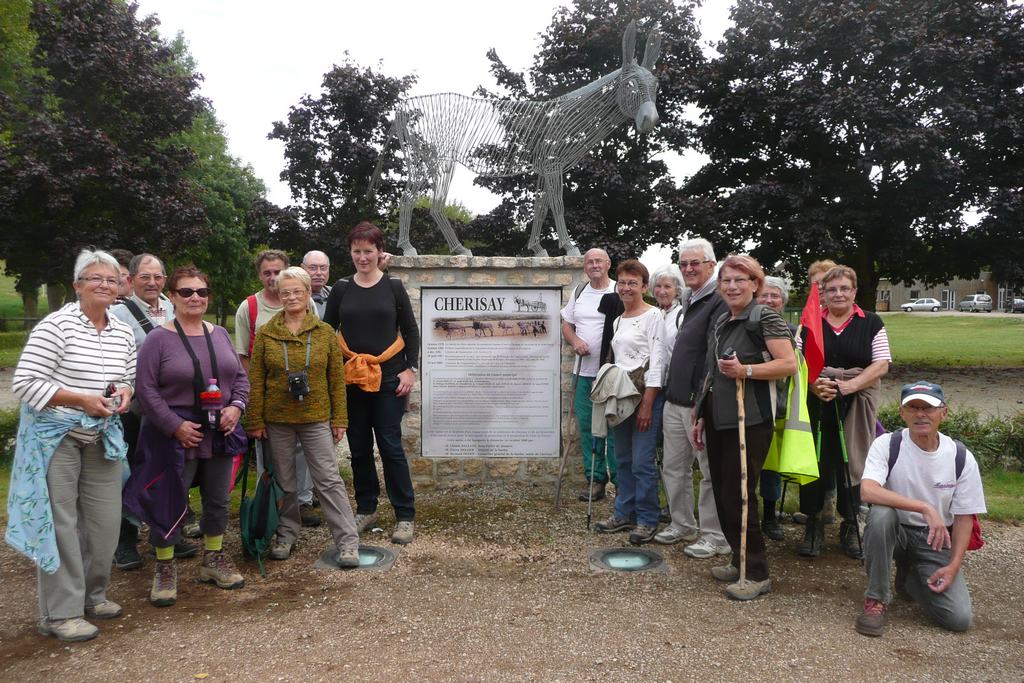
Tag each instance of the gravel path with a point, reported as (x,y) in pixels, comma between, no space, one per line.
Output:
(496,587)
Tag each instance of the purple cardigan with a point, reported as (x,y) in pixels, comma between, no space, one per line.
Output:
(164,380)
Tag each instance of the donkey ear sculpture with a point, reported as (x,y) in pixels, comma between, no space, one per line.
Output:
(653,48)
(629,44)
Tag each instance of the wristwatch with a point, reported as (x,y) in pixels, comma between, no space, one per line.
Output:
(750,371)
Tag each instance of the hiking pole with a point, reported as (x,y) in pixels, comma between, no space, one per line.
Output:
(742,424)
(567,441)
(849,484)
(590,489)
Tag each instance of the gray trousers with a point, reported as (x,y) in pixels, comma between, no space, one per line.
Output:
(215,492)
(302,477)
(320,456)
(85,496)
(885,540)
(677,476)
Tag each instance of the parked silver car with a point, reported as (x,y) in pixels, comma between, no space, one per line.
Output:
(921,305)
(975,303)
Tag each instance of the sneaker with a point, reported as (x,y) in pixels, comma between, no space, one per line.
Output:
(671,535)
(365,522)
(127,557)
(748,590)
(69,630)
(348,558)
(594,491)
(772,529)
(725,572)
(642,534)
(164,592)
(704,549)
(613,524)
(309,516)
(403,532)
(871,622)
(281,550)
(108,609)
(218,569)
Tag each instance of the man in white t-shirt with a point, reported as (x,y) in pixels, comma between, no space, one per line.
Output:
(582,327)
(924,491)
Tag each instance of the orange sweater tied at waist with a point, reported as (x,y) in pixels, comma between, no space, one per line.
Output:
(362,369)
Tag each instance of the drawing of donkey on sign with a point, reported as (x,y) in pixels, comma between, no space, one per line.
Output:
(497,138)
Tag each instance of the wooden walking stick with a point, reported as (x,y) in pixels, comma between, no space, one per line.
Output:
(740,390)
(567,441)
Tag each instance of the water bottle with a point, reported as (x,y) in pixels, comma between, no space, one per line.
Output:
(210,401)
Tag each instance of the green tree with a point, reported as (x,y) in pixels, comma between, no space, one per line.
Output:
(861,132)
(86,160)
(617,196)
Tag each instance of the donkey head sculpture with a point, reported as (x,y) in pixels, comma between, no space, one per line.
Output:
(636,87)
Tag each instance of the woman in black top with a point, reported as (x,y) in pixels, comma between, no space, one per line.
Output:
(381,342)
(845,396)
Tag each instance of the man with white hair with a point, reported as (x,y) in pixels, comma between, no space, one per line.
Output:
(686,370)
(318,265)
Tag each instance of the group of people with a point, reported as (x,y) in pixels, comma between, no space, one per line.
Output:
(130,398)
(716,342)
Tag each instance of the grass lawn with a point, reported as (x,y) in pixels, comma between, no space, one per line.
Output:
(955,341)
(10,300)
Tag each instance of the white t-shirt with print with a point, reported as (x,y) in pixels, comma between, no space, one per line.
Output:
(582,313)
(638,339)
(929,477)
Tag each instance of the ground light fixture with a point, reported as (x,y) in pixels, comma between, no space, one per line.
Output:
(371,557)
(626,559)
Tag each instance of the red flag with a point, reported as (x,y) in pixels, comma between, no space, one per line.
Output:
(814,343)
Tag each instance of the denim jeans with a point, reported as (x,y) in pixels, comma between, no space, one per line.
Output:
(378,416)
(599,455)
(637,489)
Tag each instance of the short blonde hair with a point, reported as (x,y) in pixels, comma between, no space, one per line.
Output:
(819,267)
(837,272)
(294,273)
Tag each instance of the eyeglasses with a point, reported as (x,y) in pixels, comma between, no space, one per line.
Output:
(187,292)
(729,282)
(685,265)
(97,280)
(838,290)
(290,293)
(151,278)
(316,269)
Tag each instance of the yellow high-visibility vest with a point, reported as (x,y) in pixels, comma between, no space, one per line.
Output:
(792,452)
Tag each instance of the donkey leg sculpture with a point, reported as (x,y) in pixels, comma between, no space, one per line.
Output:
(553,189)
(413,186)
(441,184)
(540,211)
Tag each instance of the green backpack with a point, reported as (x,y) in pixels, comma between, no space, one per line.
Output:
(260,515)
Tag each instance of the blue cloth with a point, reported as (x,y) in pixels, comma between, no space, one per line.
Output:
(637,490)
(29,515)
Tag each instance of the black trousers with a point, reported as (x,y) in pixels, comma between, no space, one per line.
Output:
(831,471)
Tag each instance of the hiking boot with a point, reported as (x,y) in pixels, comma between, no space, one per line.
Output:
(704,549)
(613,524)
(642,534)
(403,533)
(127,557)
(725,572)
(309,516)
(772,529)
(748,590)
(218,569)
(593,491)
(68,630)
(871,622)
(672,535)
(164,592)
(281,550)
(108,609)
(191,529)
(348,558)
(849,540)
(365,522)
(799,518)
(814,538)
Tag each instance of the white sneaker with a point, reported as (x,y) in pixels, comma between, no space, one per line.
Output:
(672,534)
(704,549)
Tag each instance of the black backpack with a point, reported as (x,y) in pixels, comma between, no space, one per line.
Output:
(260,515)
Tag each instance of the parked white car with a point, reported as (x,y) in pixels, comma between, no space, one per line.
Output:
(922,305)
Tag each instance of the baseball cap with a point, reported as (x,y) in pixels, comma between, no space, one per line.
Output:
(929,392)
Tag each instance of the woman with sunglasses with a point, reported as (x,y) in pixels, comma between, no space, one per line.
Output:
(180,431)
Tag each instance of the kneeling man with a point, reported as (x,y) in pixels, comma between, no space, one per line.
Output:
(924,489)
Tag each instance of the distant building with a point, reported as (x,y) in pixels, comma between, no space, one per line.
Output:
(891,295)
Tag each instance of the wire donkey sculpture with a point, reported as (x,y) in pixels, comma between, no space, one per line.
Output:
(498,138)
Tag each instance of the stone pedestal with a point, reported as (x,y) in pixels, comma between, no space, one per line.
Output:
(497,271)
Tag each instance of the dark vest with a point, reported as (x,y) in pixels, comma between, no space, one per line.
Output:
(687,367)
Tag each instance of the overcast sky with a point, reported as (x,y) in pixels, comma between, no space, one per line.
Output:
(259,57)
